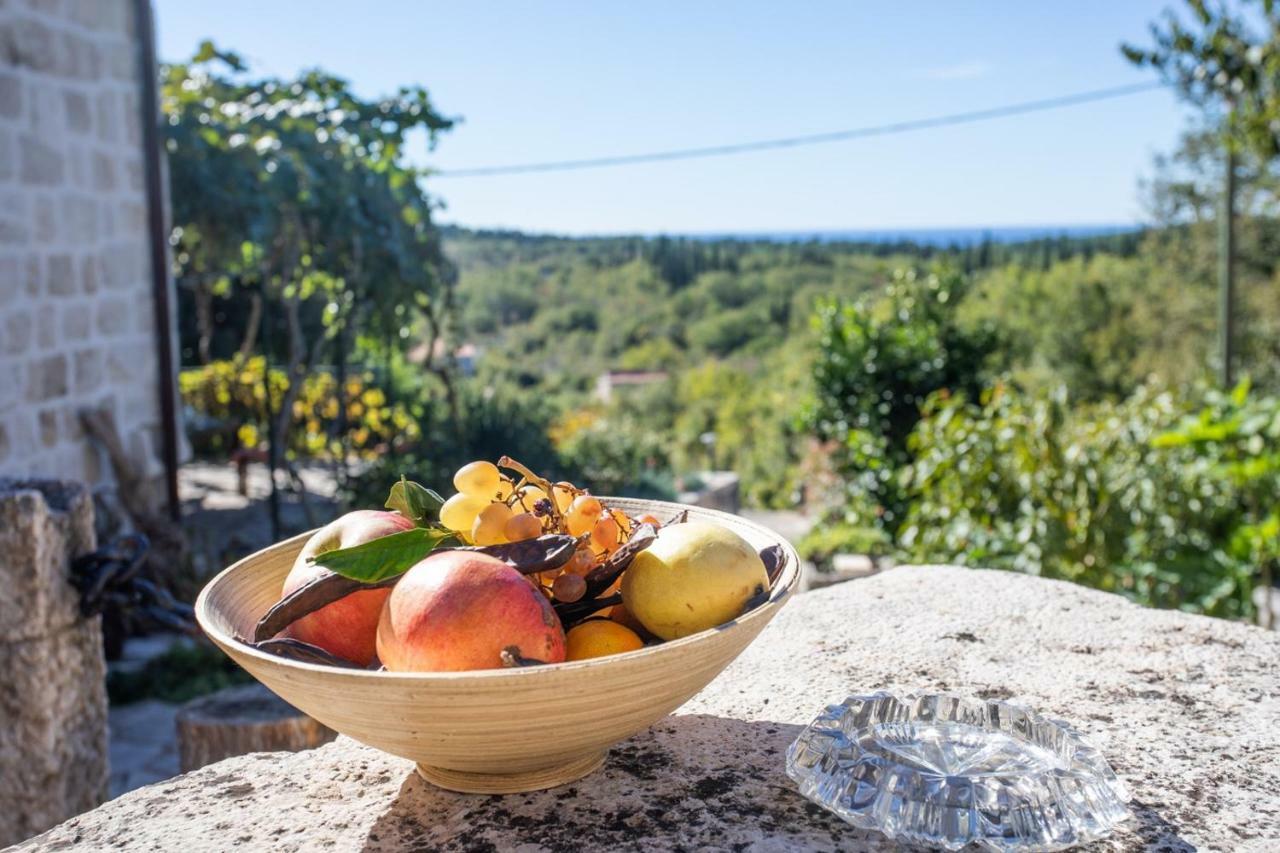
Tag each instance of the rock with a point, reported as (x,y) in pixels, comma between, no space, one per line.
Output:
(53,704)
(1186,708)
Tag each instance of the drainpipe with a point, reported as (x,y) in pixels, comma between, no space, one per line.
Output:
(158,233)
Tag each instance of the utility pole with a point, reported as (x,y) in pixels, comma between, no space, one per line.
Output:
(1227,266)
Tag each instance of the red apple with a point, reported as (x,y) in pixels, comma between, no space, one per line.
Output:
(346,627)
(457,611)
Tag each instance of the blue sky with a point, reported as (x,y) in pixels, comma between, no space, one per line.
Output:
(561,80)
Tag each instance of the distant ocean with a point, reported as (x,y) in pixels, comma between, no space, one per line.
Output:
(922,236)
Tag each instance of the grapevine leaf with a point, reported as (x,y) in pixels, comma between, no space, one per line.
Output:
(386,556)
(415,502)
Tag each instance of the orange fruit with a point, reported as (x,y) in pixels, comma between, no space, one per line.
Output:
(598,638)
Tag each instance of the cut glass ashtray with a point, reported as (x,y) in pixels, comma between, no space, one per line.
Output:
(945,771)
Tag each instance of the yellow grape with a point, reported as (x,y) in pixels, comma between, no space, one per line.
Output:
(478,478)
(522,526)
(581,562)
(569,588)
(582,515)
(490,524)
(529,497)
(504,490)
(460,511)
(564,494)
(605,534)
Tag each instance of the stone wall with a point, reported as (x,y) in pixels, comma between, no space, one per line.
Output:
(77,325)
(53,703)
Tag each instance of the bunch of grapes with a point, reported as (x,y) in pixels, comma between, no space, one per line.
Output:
(492,508)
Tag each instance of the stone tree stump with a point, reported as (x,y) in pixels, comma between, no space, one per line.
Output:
(53,702)
(241,720)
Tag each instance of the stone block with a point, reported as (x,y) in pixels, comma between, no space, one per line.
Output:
(10,279)
(113,317)
(34,279)
(46,327)
(42,164)
(122,265)
(89,373)
(45,219)
(44,108)
(43,525)
(107,119)
(53,746)
(89,274)
(79,115)
(47,379)
(7,155)
(17,331)
(132,118)
(104,172)
(62,278)
(32,46)
(10,95)
(80,219)
(48,421)
(133,217)
(75,324)
(89,14)
(133,171)
(13,232)
(119,62)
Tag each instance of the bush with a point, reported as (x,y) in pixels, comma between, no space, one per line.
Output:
(826,540)
(1109,495)
(230,396)
(878,361)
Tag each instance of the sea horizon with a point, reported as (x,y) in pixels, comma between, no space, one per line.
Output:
(934,237)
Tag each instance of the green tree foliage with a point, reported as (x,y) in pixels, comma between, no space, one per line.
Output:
(1223,63)
(292,201)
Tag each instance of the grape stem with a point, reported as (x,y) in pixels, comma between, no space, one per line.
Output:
(541,482)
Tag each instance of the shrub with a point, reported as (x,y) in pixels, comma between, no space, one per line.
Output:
(1107,495)
(229,396)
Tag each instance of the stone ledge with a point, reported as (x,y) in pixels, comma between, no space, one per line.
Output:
(1187,709)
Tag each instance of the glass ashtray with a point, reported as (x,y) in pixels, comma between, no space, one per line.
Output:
(945,771)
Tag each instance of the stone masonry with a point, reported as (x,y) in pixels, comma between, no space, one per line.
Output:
(77,323)
(53,704)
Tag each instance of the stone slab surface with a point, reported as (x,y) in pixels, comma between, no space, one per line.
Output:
(1187,709)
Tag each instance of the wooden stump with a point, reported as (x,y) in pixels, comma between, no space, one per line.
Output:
(240,720)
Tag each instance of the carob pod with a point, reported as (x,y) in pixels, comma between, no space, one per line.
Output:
(572,613)
(542,554)
(309,598)
(287,647)
(602,576)
(775,560)
(532,555)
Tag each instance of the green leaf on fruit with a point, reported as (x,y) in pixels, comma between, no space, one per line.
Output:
(386,556)
(415,502)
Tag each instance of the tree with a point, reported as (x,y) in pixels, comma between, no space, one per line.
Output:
(1232,72)
(292,197)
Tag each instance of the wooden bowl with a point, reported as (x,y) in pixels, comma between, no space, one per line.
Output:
(500,730)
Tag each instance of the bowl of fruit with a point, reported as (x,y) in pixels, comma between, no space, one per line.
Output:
(503,639)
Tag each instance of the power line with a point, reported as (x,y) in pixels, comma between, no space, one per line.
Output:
(811,139)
